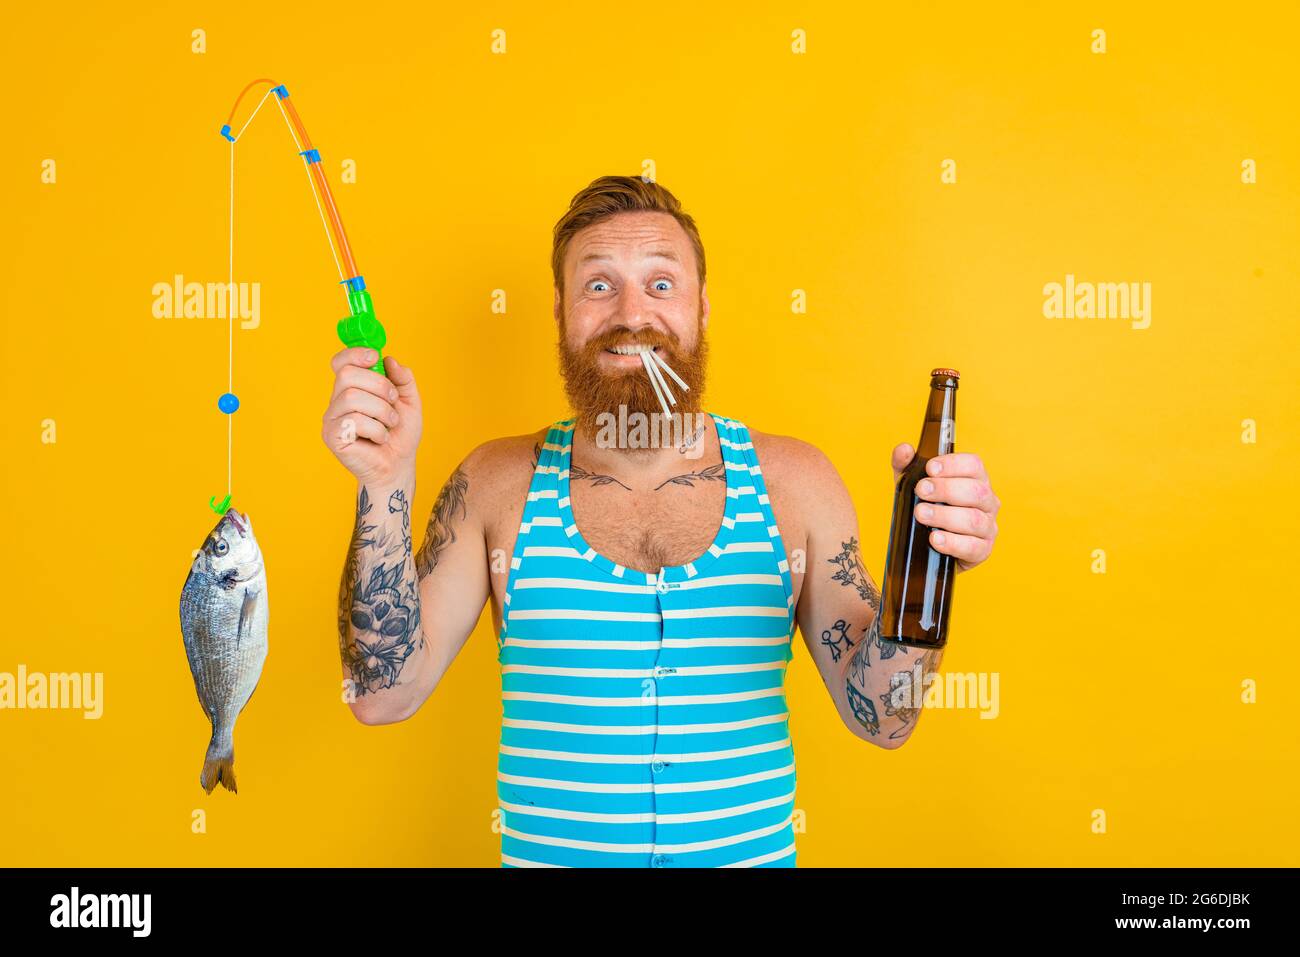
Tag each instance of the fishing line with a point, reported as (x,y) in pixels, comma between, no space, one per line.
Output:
(306,166)
(230,319)
(360,328)
(256,110)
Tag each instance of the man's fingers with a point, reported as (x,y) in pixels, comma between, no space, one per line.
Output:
(402,378)
(958,491)
(964,548)
(353,399)
(357,377)
(957,463)
(958,519)
(343,431)
(358,356)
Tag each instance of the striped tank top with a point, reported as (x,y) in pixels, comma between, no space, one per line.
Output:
(644,716)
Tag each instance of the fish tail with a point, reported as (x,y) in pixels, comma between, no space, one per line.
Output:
(219,763)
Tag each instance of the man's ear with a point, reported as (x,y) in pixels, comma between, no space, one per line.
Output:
(559,307)
(704,305)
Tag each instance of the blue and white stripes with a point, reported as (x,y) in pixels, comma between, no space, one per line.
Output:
(645,720)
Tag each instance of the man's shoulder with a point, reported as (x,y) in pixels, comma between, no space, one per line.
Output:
(499,471)
(788,455)
(506,452)
(800,480)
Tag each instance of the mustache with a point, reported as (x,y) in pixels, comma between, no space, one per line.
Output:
(626,337)
(593,389)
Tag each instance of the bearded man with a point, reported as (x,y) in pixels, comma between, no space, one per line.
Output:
(646,616)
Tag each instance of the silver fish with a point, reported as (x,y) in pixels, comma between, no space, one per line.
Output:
(223,622)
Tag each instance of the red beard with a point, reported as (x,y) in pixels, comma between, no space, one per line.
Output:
(593,390)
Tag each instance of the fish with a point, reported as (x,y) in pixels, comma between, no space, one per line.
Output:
(224,616)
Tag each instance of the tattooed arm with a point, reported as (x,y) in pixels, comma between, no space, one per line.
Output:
(876,684)
(401,617)
(404,615)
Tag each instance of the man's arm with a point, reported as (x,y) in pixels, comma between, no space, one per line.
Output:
(877,685)
(404,616)
(870,680)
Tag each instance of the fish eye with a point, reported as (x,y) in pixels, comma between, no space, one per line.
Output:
(222,546)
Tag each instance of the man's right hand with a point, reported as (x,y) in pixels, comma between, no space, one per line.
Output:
(373,422)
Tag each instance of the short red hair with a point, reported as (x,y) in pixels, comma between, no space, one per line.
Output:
(608,196)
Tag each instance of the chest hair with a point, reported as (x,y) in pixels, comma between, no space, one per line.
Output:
(649,530)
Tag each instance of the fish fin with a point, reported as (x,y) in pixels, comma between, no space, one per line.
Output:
(219,771)
(219,767)
(247,610)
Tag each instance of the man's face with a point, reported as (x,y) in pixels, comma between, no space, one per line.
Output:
(630,279)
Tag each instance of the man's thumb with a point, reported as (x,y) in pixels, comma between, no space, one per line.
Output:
(402,378)
(903,453)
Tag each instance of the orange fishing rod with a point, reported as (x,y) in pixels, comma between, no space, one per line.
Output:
(360,328)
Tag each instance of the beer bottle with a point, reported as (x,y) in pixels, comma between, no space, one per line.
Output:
(916,595)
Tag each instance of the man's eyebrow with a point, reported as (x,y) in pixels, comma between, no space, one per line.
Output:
(666,252)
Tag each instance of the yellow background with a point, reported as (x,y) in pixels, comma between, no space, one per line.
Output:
(820,172)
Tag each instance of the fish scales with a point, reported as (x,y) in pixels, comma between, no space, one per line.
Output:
(224,616)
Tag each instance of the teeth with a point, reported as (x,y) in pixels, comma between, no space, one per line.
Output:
(632,350)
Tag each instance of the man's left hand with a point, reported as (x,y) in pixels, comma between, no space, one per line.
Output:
(957,502)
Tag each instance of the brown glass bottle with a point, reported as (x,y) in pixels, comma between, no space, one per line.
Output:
(916,595)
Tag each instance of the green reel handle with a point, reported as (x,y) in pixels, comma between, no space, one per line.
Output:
(362,329)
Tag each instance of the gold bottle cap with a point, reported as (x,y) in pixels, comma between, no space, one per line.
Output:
(952,372)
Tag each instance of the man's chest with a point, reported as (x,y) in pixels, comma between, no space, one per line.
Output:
(647,530)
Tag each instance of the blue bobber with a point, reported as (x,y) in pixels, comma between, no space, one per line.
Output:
(228,403)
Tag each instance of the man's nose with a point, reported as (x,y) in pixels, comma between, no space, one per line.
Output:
(634,310)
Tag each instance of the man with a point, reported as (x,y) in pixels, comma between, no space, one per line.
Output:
(645,616)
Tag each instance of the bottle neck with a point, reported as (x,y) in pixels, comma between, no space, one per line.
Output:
(938,433)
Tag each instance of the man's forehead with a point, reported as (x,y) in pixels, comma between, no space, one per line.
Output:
(640,235)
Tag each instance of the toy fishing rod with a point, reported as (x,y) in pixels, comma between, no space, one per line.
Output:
(360,327)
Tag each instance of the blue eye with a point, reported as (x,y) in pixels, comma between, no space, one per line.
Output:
(664,282)
(597,282)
